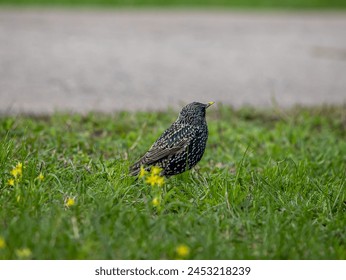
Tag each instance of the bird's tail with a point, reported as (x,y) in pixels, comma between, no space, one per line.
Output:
(135,168)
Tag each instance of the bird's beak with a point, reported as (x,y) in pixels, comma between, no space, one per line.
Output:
(210,103)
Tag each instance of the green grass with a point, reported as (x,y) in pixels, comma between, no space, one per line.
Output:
(291,4)
(271,185)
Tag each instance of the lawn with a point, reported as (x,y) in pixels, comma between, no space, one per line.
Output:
(283,4)
(271,185)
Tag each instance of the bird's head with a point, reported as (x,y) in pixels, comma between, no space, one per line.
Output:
(194,113)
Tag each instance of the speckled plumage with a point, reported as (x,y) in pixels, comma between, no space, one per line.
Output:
(181,146)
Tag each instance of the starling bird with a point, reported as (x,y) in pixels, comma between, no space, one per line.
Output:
(181,146)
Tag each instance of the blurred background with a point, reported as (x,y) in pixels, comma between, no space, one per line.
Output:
(113,55)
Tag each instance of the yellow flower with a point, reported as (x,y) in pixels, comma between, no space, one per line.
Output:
(2,243)
(19,166)
(160,181)
(40,177)
(155,170)
(69,202)
(155,201)
(23,253)
(154,180)
(142,172)
(17,171)
(182,251)
(10,182)
(151,180)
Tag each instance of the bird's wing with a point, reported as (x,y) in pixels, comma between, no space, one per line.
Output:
(172,141)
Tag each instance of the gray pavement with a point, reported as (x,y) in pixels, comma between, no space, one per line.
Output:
(142,60)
